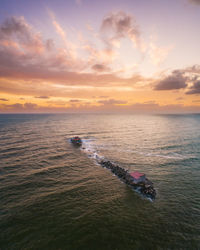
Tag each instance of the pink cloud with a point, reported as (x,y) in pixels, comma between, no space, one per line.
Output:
(16,32)
(116,26)
(158,54)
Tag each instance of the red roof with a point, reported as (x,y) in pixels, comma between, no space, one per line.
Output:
(136,175)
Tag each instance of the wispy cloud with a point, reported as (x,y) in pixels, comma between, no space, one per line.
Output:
(4,99)
(79,2)
(70,47)
(195,2)
(24,54)
(179,98)
(17,34)
(112,102)
(18,107)
(158,54)
(116,26)
(75,100)
(196,101)
(110,107)
(42,97)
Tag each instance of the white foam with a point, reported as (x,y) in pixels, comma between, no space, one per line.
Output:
(90,149)
(174,156)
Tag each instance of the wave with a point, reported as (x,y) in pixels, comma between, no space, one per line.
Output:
(93,148)
(90,149)
(174,156)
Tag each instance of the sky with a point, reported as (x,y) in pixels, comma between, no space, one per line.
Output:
(130,56)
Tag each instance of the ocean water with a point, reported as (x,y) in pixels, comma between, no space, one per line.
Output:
(56,196)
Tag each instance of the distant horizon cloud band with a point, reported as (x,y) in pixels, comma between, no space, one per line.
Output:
(109,57)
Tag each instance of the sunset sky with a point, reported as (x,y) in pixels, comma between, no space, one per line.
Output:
(99,56)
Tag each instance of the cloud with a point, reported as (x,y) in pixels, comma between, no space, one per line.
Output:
(107,108)
(158,54)
(42,68)
(86,87)
(30,106)
(23,50)
(194,1)
(15,31)
(100,67)
(78,2)
(194,89)
(106,55)
(187,78)
(196,101)
(195,69)
(176,80)
(150,102)
(70,47)
(102,96)
(51,64)
(21,46)
(18,107)
(33,66)
(116,26)
(179,98)
(42,97)
(112,102)
(136,108)
(4,100)
(75,100)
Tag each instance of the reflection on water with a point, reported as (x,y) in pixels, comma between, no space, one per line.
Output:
(55,196)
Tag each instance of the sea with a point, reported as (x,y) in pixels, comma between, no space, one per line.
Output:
(56,196)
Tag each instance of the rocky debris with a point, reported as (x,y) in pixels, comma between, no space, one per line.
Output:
(145,187)
(142,185)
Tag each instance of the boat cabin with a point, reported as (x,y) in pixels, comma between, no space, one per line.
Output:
(137,177)
(76,141)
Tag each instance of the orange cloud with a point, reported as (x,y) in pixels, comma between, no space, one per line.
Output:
(107,108)
(70,47)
